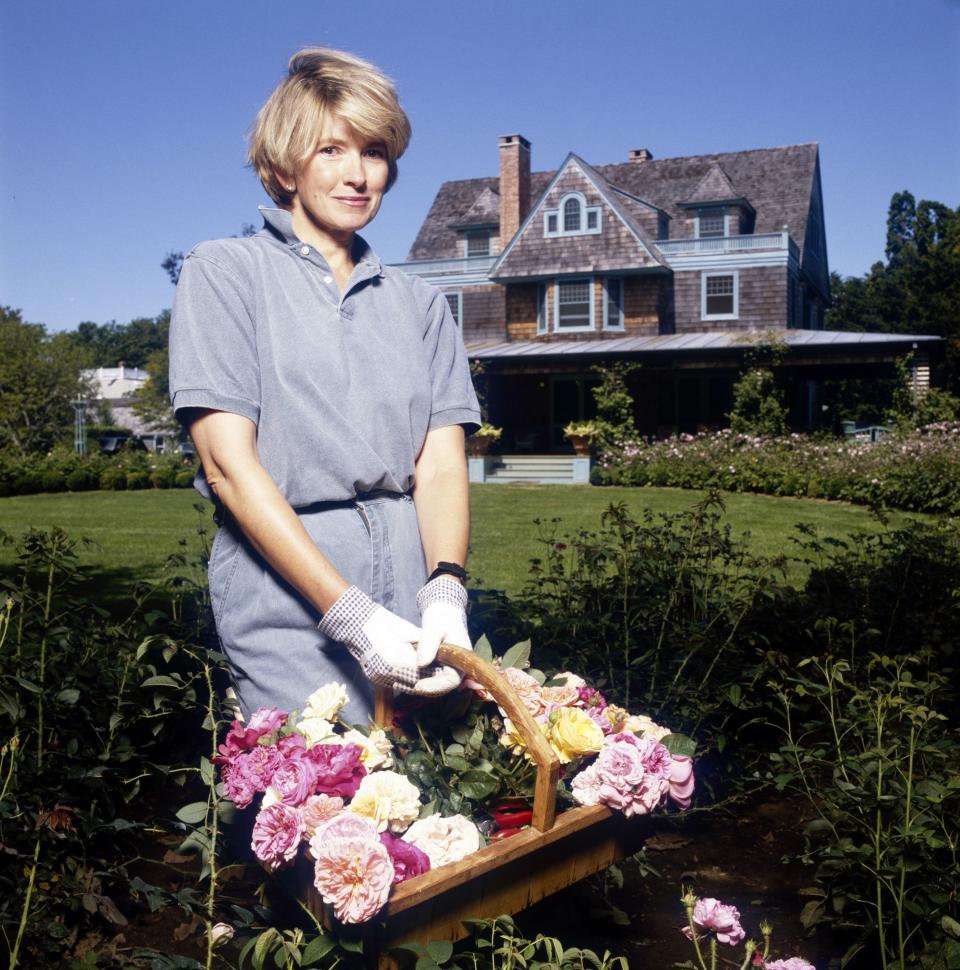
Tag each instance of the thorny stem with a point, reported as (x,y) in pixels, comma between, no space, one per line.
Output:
(25,913)
(11,748)
(688,900)
(43,663)
(213,807)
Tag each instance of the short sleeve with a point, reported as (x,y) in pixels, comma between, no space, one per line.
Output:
(213,348)
(454,400)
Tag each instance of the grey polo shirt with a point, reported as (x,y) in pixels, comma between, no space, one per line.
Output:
(342,388)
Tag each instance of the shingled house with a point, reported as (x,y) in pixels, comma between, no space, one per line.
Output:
(681,264)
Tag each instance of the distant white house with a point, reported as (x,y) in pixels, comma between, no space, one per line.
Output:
(116,386)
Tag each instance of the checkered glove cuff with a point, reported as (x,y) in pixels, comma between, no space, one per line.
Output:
(443,589)
(345,622)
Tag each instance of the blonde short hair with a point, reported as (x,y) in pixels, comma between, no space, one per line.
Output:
(319,80)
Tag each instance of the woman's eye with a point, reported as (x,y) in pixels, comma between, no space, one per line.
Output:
(327,150)
(376,153)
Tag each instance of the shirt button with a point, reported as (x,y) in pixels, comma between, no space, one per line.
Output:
(328,279)
(304,250)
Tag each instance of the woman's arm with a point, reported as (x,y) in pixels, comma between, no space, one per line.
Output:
(227,446)
(442,497)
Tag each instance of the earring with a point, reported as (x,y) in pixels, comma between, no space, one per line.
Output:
(290,188)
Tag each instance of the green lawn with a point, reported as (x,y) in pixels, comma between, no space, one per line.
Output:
(133,533)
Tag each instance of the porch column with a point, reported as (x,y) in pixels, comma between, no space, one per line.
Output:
(919,374)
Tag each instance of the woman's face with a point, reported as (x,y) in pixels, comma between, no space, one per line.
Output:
(340,187)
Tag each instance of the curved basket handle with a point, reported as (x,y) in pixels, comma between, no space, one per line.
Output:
(485,674)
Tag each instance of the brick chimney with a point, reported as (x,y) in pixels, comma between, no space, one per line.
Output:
(514,185)
(640,155)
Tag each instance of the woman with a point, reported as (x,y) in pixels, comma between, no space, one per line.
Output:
(327,396)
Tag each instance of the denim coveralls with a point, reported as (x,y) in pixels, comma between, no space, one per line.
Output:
(343,390)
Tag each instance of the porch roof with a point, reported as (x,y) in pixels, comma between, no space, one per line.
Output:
(697,343)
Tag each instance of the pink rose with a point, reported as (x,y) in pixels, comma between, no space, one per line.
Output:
(294,780)
(526,688)
(793,963)
(242,737)
(276,836)
(631,774)
(724,920)
(408,861)
(681,781)
(586,786)
(339,768)
(590,697)
(292,745)
(354,876)
(347,825)
(249,772)
(318,809)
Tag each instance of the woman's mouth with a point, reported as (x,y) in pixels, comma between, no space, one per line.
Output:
(354,201)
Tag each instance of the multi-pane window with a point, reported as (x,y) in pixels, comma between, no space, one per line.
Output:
(592,215)
(720,295)
(573,305)
(613,305)
(455,299)
(571,215)
(711,223)
(478,243)
(552,222)
(542,308)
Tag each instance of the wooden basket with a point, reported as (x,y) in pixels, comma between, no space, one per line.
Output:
(505,876)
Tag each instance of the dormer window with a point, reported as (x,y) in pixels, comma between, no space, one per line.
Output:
(572,217)
(711,223)
(478,242)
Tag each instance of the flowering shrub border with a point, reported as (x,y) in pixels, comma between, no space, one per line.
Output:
(919,471)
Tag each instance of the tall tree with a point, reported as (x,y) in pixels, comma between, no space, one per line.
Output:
(39,379)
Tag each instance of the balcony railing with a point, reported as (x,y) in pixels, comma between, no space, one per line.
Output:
(727,244)
(472,265)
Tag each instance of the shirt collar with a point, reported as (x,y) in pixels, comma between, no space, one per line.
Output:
(280,223)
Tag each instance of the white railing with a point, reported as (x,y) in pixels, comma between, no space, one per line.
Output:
(727,244)
(434,267)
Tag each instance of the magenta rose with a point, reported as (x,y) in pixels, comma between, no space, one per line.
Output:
(249,772)
(724,920)
(591,698)
(295,780)
(408,861)
(292,745)
(276,836)
(339,768)
(243,737)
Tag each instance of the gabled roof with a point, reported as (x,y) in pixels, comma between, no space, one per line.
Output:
(485,211)
(622,244)
(777,182)
(713,187)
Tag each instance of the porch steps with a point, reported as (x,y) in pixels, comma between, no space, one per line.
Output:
(539,469)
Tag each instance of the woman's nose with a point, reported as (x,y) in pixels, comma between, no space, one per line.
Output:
(353,170)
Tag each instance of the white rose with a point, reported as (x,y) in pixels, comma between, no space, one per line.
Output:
(640,723)
(270,797)
(377,749)
(317,730)
(390,800)
(569,679)
(326,702)
(444,839)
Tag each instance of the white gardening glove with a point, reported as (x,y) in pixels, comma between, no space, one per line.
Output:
(380,641)
(443,617)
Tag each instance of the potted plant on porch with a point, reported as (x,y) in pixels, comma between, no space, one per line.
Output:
(478,444)
(581,435)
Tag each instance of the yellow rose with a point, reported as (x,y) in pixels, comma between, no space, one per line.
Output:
(389,799)
(325,702)
(571,733)
(377,751)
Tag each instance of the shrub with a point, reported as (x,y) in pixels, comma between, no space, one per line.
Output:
(758,407)
(138,478)
(184,478)
(113,478)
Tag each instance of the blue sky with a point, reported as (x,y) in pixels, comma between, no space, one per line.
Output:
(123,121)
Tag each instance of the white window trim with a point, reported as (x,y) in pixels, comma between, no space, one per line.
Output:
(543,322)
(449,294)
(618,324)
(736,296)
(584,209)
(726,222)
(556,305)
(476,234)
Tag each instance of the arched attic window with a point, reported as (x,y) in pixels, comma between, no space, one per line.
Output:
(572,217)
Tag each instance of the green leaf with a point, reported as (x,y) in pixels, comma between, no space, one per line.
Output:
(483,649)
(517,656)
(69,696)
(440,950)
(227,811)
(317,948)
(476,785)
(265,941)
(206,771)
(193,814)
(161,680)
(680,744)
(950,926)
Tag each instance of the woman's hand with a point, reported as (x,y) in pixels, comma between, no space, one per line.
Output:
(443,617)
